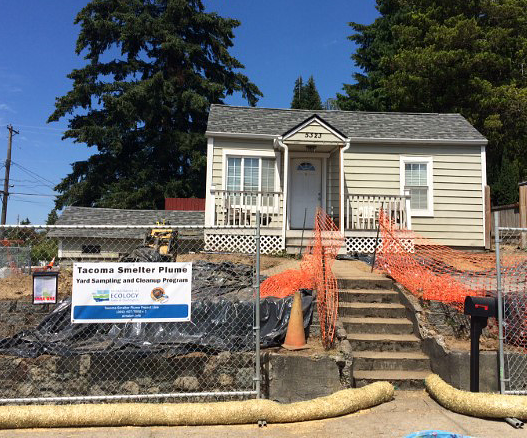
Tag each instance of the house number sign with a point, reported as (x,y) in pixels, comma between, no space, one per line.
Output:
(313,135)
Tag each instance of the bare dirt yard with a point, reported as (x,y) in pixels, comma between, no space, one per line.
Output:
(18,286)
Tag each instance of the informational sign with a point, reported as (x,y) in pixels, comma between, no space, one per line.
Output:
(45,286)
(131,292)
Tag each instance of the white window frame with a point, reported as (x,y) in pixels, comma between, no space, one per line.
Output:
(243,153)
(429,212)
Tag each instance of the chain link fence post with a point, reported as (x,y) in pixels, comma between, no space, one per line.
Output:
(257,309)
(500,302)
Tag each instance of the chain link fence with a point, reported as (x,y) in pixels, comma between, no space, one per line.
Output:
(44,357)
(512,287)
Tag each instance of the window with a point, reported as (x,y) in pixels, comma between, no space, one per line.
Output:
(306,167)
(91,249)
(416,177)
(251,174)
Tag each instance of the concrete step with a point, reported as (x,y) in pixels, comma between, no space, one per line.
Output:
(390,360)
(368,296)
(395,326)
(372,310)
(413,380)
(383,342)
(365,282)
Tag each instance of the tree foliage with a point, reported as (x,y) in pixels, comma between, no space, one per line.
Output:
(142,100)
(305,96)
(468,57)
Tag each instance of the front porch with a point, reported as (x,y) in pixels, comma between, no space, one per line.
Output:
(234,219)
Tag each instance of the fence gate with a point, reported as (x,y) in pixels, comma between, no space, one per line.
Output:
(44,357)
(511,255)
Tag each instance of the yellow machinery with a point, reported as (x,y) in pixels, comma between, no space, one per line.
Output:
(163,240)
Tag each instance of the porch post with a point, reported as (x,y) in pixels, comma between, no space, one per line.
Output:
(342,187)
(408,210)
(209,188)
(285,189)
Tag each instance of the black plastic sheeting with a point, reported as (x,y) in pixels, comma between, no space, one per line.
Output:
(217,325)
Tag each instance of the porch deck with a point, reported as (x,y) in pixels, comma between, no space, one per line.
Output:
(234,220)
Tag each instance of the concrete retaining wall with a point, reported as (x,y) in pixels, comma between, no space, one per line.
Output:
(452,366)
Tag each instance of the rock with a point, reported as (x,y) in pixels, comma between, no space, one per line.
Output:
(25,389)
(130,387)
(211,366)
(224,357)
(78,386)
(187,383)
(225,380)
(244,378)
(36,374)
(84,364)
(153,390)
(96,390)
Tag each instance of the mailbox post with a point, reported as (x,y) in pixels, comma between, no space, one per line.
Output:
(479,309)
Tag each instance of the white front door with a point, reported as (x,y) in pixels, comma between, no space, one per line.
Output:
(306,191)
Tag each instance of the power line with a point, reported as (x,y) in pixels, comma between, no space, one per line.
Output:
(29,202)
(32,194)
(42,127)
(35,174)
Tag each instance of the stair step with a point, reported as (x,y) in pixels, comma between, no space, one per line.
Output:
(394,326)
(365,282)
(372,310)
(390,360)
(368,296)
(400,379)
(383,342)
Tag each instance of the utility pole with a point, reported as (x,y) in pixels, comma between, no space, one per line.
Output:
(7,168)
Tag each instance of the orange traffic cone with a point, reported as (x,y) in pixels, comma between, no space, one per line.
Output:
(295,338)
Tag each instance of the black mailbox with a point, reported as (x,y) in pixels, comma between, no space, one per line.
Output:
(480,310)
(481,306)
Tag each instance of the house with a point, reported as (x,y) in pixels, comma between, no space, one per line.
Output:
(81,241)
(426,170)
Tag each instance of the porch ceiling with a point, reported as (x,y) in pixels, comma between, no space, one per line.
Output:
(295,146)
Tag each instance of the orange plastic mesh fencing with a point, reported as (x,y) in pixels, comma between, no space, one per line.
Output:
(436,272)
(314,273)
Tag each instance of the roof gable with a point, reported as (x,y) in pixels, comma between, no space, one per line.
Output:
(314,130)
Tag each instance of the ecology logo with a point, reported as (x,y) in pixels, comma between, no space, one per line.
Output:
(101,295)
(158,295)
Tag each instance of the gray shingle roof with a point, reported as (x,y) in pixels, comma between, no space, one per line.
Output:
(425,126)
(110,216)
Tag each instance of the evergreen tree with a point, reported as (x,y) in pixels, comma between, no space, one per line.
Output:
(52,217)
(434,56)
(142,100)
(306,96)
(296,103)
(311,96)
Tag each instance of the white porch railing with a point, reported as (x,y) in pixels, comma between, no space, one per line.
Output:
(362,211)
(235,208)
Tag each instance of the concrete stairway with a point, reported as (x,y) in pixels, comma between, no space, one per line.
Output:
(382,339)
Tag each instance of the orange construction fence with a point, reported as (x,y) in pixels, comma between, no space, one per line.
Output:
(437,272)
(314,273)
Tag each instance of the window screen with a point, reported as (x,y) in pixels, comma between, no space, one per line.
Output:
(416,180)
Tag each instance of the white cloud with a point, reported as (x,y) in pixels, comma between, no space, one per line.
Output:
(5,107)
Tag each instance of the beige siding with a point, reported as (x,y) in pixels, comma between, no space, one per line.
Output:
(241,145)
(457,174)
(332,187)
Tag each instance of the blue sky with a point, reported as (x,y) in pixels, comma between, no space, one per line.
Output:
(277,41)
